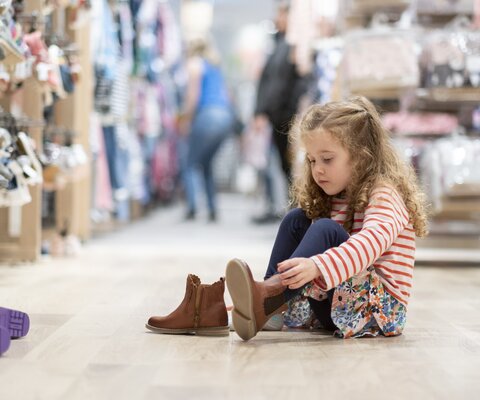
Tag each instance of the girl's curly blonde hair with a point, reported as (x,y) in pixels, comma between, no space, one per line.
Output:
(356,124)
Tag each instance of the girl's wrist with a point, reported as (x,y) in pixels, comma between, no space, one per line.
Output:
(315,268)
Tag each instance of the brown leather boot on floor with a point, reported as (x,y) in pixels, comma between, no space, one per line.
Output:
(202,311)
(253,302)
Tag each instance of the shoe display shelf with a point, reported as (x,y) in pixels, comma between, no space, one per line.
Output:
(72,198)
(26,246)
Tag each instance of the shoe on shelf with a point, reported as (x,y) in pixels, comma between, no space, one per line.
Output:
(4,340)
(267,218)
(4,6)
(11,53)
(17,323)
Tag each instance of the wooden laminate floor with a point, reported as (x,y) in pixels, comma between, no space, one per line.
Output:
(88,341)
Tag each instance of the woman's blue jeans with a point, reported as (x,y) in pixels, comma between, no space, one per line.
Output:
(298,236)
(210,128)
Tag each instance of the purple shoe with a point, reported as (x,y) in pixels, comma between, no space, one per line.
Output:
(16,322)
(4,340)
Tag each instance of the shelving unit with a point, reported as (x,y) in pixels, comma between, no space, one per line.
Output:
(456,224)
(72,199)
(26,102)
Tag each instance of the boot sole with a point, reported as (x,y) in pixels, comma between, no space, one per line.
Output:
(214,331)
(241,291)
(16,322)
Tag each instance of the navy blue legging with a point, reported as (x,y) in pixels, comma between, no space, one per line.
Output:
(298,237)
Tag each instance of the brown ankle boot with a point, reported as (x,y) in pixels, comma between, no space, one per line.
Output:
(202,311)
(253,302)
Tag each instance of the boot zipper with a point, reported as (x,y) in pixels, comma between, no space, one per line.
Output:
(198,300)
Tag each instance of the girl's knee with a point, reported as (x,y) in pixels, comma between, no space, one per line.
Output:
(327,225)
(295,215)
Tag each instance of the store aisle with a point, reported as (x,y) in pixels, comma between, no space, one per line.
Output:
(88,340)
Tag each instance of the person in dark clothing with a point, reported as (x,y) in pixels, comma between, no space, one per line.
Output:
(279,92)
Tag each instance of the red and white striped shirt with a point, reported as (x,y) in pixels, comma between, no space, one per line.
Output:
(382,236)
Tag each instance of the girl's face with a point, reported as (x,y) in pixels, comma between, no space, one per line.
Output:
(329,162)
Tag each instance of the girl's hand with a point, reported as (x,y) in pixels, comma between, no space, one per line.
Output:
(297,272)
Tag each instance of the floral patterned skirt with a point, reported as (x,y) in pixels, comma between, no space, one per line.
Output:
(361,307)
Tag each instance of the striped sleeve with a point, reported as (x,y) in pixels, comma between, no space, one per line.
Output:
(385,217)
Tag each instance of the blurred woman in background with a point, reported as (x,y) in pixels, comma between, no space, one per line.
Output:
(205,123)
